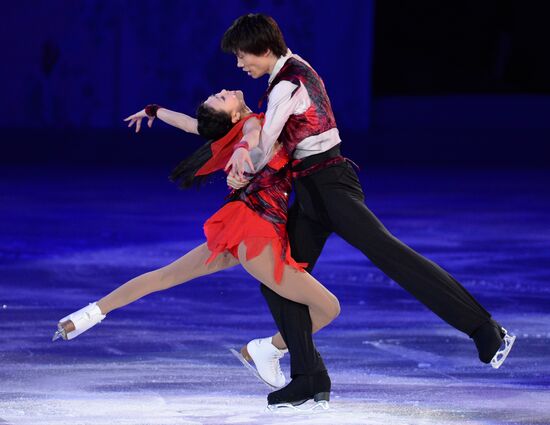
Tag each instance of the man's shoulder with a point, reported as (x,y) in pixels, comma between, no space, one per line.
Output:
(291,76)
(296,63)
(296,69)
(283,88)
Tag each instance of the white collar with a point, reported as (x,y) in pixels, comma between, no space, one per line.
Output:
(278,65)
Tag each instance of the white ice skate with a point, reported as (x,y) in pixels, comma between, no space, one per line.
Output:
(83,319)
(265,357)
(504,350)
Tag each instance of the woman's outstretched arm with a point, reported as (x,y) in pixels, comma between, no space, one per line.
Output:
(179,120)
(176,119)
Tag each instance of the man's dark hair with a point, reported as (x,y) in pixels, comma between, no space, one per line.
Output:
(254,33)
(212,124)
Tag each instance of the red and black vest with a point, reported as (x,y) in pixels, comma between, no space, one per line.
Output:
(318,118)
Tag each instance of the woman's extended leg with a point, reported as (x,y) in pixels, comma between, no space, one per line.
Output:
(182,270)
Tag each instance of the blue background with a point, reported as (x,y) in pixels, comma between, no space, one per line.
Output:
(410,82)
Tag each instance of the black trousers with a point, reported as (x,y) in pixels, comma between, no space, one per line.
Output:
(331,200)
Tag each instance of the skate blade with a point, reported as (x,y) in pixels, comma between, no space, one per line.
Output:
(298,407)
(501,354)
(60,333)
(251,368)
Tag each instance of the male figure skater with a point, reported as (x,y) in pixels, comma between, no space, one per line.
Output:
(328,199)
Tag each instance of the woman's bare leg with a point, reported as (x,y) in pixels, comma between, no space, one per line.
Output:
(278,341)
(295,285)
(182,270)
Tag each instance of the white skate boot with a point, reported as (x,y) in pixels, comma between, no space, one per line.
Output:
(82,320)
(266,359)
(504,350)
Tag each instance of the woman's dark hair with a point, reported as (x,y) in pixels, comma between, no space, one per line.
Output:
(212,125)
(254,33)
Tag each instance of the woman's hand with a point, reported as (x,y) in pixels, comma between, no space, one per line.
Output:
(237,161)
(137,117)
(235,181)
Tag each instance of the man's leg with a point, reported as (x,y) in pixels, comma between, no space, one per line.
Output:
(422,278)
(307,239)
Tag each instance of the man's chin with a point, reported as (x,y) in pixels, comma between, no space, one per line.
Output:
(255,75)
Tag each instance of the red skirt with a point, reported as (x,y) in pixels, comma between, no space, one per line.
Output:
(235,223)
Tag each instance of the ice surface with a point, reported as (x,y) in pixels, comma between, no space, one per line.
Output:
(67,240)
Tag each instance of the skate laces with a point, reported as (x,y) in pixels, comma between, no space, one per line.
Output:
(274,362)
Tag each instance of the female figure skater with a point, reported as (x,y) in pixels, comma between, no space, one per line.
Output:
(249,229)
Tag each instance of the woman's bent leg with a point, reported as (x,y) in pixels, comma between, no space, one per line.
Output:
(295,285)
(324,307)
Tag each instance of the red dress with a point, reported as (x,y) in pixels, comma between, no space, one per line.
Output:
(256,214)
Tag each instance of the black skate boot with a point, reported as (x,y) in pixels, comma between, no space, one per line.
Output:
(301,389)
(493,343)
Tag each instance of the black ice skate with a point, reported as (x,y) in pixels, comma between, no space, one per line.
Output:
(301,389)
(493,343)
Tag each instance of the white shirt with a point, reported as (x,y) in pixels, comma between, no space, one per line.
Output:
(281,105)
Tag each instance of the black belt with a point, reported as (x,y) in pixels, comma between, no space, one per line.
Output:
(302,164)
(312,164)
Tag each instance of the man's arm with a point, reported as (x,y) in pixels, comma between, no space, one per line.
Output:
(285,99)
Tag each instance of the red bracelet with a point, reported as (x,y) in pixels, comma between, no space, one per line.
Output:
(151,110)
(241,144)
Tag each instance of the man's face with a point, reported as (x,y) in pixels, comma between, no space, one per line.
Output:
(254,66)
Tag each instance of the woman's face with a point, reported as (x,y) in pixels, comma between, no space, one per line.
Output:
(230,101)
